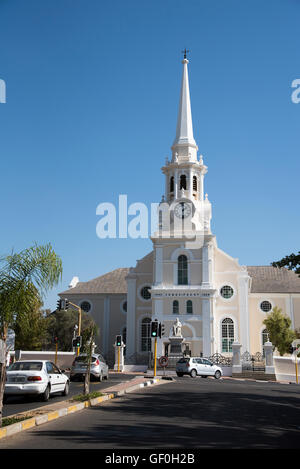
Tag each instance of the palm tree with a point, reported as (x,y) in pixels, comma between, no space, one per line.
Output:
(24,278)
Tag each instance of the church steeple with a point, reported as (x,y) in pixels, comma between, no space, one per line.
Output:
(184,146)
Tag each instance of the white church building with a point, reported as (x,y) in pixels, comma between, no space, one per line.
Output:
(187,275)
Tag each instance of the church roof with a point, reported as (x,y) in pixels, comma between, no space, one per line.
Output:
(111,282)
(265,279)
(269,279)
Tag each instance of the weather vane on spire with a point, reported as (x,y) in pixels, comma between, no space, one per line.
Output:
(184,52)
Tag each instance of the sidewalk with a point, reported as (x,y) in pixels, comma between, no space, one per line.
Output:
(56,410)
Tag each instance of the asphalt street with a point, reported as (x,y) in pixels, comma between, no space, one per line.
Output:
(17,404)
(185,413)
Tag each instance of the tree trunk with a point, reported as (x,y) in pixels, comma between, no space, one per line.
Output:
(88,372)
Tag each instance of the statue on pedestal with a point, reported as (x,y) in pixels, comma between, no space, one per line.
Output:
(177,328)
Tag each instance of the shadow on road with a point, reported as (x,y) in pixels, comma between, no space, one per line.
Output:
(168,416)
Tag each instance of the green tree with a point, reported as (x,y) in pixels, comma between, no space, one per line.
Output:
(292,262)
(31,328)
(278,326)
(24,278)
(61,324)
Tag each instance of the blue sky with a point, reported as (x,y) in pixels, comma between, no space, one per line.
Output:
(92,97)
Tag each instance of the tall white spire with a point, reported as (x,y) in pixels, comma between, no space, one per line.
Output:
(184,144)
(184,130)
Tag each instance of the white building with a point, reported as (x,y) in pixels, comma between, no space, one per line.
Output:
(216,299)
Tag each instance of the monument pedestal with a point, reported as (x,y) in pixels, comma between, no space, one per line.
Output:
(175,346)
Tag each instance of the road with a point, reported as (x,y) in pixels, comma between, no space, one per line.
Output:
(16,404)
(185,413)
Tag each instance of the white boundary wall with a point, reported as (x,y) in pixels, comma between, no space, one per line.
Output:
(64,359)
(285,369)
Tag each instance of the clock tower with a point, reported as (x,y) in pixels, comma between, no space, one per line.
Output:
(183,246)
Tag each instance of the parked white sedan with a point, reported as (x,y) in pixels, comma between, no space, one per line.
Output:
(194,366)
(35,377)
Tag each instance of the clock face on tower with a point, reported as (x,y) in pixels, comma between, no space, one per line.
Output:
(183,210)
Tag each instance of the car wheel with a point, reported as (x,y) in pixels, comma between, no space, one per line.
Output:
(193,373)
(217,374)
(67,389)
(46,394)
(101,377)
(179,374)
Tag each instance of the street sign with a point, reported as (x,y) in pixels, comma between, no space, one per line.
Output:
(163,361)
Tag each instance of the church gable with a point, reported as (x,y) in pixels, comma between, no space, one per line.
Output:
(226,263)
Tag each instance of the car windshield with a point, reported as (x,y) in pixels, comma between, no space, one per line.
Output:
(207,362)
(26,366)
(83,359)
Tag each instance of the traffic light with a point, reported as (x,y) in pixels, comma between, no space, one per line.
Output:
(63,305)
(161,330)
(77,342)
(154,329)
(118,340)
(291,349)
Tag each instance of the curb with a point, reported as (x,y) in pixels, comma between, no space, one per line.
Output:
(38,420)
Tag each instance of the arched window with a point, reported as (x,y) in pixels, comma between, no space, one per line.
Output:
(195,183)
(146,335)
(182,270)
(172,184)
(264,337)
(189,307)
(175,307)
(227,334)
(182,184)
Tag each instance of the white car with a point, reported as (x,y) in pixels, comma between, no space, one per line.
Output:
(194,366)
(35,377)
(98,371)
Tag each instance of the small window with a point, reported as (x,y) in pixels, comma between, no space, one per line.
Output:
(226,291)
(145,293)
(182,270)
(175,307)
(189,307)
(85,306)
(265,306)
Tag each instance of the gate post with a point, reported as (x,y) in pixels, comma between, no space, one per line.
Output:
(268,349)
(236,357)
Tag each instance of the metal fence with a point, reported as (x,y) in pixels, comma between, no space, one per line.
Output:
(255,362)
